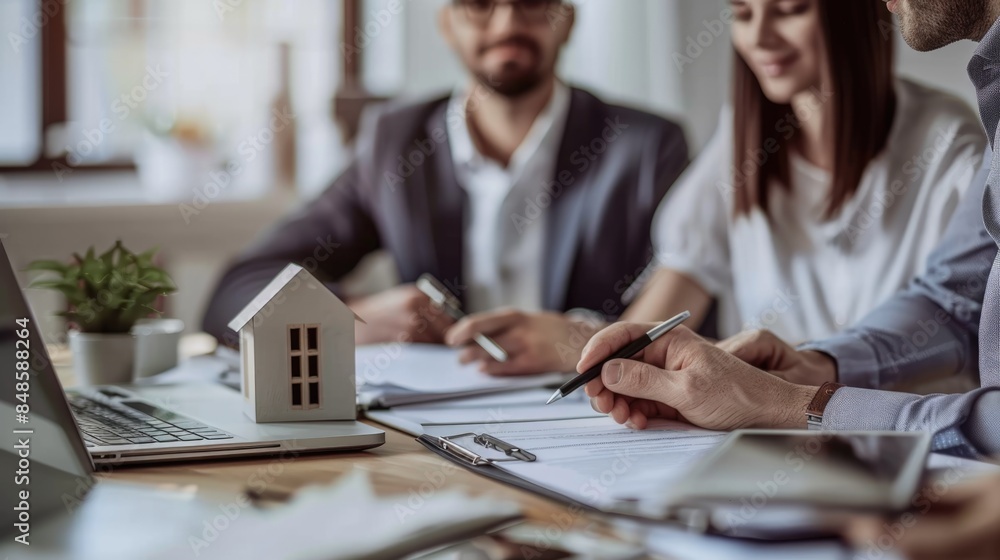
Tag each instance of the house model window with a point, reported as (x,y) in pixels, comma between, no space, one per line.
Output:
(304,365)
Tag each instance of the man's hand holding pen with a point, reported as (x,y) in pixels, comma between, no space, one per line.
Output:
(536,342)
(683,376)
(400,314)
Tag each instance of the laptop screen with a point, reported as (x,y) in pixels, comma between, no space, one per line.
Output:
(40,445)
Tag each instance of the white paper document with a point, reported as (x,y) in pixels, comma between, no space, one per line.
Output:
(598,462)
(392,374)
(525,405)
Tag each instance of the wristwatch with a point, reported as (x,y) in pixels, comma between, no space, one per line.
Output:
(817,407)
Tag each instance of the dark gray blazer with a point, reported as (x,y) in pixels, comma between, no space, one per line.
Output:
(400,195)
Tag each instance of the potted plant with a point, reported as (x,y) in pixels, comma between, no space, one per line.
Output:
(105,296)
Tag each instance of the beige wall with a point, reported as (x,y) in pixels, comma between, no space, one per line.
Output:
(193,253)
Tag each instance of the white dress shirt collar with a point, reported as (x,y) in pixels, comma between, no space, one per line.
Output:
(547,129)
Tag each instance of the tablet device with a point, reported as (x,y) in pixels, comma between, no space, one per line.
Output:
(760,474)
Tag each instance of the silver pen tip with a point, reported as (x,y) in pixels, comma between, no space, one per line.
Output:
(555,397)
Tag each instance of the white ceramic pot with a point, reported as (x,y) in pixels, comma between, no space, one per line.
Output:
(157,342)
(102,359)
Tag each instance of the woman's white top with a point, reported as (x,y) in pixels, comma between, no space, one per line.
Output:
(800,275)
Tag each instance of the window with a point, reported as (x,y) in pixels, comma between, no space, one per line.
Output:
(20,98)
(304,365)
(120,84)
(314,393)
(313,341)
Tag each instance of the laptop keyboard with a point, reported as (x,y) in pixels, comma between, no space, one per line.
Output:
(131,422)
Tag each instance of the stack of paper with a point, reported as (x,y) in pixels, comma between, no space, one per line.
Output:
(396,374)
(346,520)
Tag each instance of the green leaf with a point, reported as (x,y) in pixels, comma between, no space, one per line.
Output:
(95,272)
(108,258)
(106,293)
(146,257)
(50,266)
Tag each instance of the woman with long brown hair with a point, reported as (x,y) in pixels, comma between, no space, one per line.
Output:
(823,191)
(826,186)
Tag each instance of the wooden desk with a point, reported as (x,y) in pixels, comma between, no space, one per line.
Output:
(399,467)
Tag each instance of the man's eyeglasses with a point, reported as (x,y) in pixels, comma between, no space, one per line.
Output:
(534,11)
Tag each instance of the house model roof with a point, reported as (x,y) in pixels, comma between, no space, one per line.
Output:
(271,290)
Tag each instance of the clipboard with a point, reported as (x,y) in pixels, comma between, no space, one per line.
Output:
(451,446)
(470,456)
(468,450)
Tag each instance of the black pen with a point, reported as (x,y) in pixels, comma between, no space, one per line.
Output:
(628,351)
(442,296)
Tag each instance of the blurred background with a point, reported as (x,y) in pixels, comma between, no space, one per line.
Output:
(192,125)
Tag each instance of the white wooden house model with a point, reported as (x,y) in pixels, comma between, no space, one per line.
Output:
(297,351)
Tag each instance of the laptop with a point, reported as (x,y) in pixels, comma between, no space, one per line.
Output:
(131,424)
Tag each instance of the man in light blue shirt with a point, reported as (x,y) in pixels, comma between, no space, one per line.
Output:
(946,322)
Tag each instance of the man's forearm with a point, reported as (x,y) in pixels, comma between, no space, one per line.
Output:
(907,338)
(965,425)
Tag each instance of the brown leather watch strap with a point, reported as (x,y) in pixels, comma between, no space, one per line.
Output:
(817,407)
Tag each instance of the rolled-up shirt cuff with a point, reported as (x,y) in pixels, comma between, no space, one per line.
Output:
(857,362)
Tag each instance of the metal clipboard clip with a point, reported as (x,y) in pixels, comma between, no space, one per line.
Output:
(512,453)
